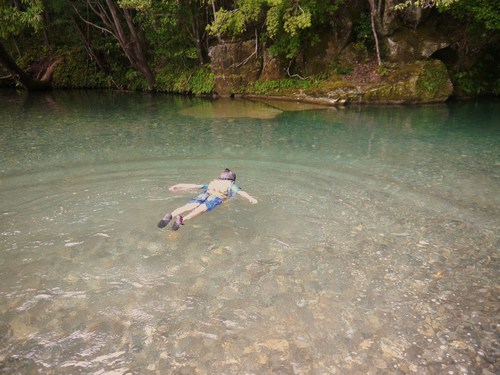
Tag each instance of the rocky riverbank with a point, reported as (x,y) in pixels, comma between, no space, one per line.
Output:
(421,81)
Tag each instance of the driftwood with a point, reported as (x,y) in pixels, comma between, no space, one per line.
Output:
(20,75)
(47,76)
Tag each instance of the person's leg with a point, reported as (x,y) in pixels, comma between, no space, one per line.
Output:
(209,204)
(178,211)
(179,220)
(187,207)
(196,212)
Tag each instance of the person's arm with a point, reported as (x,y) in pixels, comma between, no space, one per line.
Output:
(244,194)
(185,187)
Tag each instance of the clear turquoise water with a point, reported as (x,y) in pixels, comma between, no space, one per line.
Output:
(373,248)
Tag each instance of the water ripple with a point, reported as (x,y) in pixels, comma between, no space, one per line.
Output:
(372,248)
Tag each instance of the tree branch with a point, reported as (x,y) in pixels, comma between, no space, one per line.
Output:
(293,75)
(254,53)
(88,22)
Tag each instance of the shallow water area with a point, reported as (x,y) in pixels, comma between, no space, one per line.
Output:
(373,248)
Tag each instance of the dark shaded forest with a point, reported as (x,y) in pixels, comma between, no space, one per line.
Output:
(175,46)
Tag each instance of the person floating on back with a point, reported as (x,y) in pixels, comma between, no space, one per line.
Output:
(213,195)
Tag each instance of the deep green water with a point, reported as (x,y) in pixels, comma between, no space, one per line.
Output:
(373,248)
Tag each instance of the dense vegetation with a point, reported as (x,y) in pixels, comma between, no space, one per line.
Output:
(163,45)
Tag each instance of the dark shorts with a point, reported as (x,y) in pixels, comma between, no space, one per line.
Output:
(211,201)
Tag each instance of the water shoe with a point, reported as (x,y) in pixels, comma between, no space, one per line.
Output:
(178,221)
(164,222)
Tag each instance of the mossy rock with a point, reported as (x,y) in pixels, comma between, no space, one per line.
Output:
(433,83)
(420,82)
(234,65)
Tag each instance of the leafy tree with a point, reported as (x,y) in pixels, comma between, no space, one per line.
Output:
(484,12)
(16,17)
(286,25)
(235,22)
(477,73)
(177,29)
(117,19)
(375,11)
(442,4)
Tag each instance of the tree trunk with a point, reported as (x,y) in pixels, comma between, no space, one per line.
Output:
(111,16)
(373,13)
(86,43)
(138,51)
(47,76)
(197,37)
(196,28)
(28,82)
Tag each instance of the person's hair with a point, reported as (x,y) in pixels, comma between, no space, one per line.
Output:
(227,175)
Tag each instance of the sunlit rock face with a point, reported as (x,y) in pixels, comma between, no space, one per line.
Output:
(416,53)
(408,46)
(233,65)
(420,82)
(393,19)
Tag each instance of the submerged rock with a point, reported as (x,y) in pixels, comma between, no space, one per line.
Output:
(231,108)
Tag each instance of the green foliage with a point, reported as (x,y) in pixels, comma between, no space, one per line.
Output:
(167,26)
(341,67)
(140,5)
(287,47)
(383,71)
(235,22)
(281,86)
(56,6)
(289,18)
(481,79)
(483,12)
(135,81)
(442,4)
(292,25)
(363,30)
(14,20)
(72,73)
(433,81)
(176,79)
(467,83)
(175,48)
(202,81)
(225,23)
(170,78)
(287,24)
(294,22)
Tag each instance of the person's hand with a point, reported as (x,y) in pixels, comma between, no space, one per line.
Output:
(174,187)
(247,196)
(252,200)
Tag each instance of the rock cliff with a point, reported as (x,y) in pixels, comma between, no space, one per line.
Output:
(411,44)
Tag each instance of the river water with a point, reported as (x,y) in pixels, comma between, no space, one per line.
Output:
(373,249)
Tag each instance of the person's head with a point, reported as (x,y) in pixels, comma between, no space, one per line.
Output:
(228,174)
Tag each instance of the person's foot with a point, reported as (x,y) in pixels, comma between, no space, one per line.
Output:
(164,222)
(178,221)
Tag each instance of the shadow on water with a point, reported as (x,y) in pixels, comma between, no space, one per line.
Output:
(373,249)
